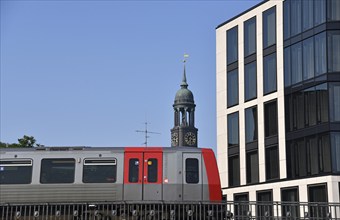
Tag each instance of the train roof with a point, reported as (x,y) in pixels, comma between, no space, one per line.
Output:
(111,149)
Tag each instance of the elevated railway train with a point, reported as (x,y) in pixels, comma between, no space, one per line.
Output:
(97,174)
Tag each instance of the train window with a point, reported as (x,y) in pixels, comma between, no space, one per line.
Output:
(191,170)
(57,170)
(100,171)
(15,171)
(133,170)
(152,170)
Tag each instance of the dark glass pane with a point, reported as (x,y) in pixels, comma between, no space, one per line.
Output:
(15,172)
(296,59)
(269,27)
(250,36)
(320,53)
(241,207)
(133,170)
(322,103)
(308,58)
(232,87)
(295,10)
(233,129)
(152,170)
(289,113)
(252,167)
(234,170)
(289,197)
(335,142)
(310,106)
(298,110)
(232,49)
(334,101)
(319,12)
(307,18)
(302,160)
(272,163)
(313,156)
(57,170)
(333,12)
(250,81)
(264,205)
(251,124)
(334,51)
(287,66)
(317,194)
(99,171)
(269,73)
(324,154)
(191,170)
(270,119)
(286,19)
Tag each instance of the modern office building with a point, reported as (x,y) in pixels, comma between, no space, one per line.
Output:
(278,102)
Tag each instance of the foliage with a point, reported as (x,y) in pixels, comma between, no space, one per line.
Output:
(25,141)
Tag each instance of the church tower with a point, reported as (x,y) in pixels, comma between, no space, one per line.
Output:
(184,132)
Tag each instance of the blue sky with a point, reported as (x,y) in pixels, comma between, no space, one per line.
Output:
(90,73)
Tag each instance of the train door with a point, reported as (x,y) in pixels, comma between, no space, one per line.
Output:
(152,189)
(133,172)
(192,177)
(143,176)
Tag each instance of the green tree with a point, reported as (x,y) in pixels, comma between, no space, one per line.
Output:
(27,141)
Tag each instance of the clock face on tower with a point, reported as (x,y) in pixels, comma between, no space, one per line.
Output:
(190,138)
(174,139)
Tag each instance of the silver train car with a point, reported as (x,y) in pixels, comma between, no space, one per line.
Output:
(96,174)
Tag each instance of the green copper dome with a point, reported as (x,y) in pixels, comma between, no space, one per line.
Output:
(184,95)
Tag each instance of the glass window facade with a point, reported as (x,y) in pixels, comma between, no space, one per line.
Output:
(251,124)
(307,15)
(307,107)
(308,57)
(232,45)
(334,101)
(272,162)
(308,156)
(320,53)
(319,12)
(317,194)
(296,61)
(250,36)
(233,129)
(266,207)
(290,196)
(234,170)
(241,207)
(250,78)
(335,143)
(295,17)
(333,51)
(252,163)
(269,27)
(333,12)
(269,73)
(270,118)
(232,88)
